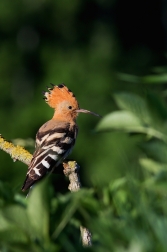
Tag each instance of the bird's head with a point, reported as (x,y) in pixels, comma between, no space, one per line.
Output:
(64,102)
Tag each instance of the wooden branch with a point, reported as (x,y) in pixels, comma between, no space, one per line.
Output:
(71,169)
(16,152)
(86,237)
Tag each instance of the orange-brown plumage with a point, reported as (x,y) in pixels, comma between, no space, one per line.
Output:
(56,138)
(60,94)
(63,101)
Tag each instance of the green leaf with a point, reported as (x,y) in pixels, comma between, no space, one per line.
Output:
(4,223)
(152,165)
(10,231)
(128,122)
(117,184)
(17,215)
(159,227)
(135,104)
(65,218)
(155,79)
(156,150)
(13,234)
(158,110)
(123,120)
(129,77)
(38,209)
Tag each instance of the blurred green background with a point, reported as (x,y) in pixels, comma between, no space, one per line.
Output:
(87,45)
(112,55)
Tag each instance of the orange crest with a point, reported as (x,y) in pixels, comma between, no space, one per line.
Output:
(58,94)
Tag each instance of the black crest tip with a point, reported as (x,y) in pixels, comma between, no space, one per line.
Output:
(60,85)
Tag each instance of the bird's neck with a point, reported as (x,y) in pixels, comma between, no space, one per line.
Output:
(64,117)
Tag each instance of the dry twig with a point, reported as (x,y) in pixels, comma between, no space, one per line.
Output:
(16,152)
(71,169)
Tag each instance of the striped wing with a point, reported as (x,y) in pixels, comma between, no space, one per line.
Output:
(54,142)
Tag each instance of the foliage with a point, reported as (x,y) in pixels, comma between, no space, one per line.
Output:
(127,213)
(114,62)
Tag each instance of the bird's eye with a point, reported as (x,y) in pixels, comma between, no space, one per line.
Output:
(70,107)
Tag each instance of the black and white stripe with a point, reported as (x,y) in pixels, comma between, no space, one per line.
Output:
(54,142)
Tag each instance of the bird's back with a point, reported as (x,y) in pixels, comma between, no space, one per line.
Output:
(54,141)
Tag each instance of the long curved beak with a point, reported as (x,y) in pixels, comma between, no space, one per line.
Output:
(87,112)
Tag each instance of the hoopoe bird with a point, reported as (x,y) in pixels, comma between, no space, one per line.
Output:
(55,138)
